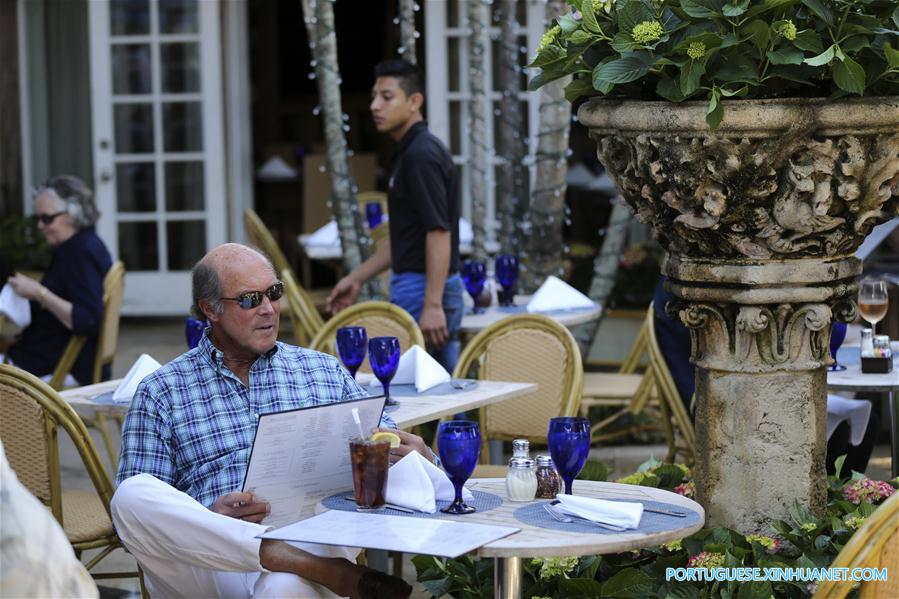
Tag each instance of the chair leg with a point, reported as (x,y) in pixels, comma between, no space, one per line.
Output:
(102,423)
(397,563)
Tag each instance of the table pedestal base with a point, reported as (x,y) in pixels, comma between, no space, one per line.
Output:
(507,578)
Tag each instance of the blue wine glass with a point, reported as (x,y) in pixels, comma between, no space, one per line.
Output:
(384,356)
(569,444)
(837,335)
(193,332)
(459,445)
(506,275)
(374,214)
(473,275)
(351,345)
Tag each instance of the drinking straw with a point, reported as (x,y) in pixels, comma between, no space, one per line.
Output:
(358,422)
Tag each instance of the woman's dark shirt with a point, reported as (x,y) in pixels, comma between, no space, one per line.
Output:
(75,274)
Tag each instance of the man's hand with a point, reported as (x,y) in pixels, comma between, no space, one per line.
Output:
(408,444)
(343,295)
(433,326)
(243,506)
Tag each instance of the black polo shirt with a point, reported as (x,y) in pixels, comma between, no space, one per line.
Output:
(422,195)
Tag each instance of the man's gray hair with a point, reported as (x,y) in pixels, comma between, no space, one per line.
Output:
(72,196)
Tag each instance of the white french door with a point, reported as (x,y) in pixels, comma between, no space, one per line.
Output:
(158,143)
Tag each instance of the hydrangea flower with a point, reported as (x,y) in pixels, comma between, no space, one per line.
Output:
(604,5)
(632,479)
(865,489)
(555,566)
(673,546)
(647,31)
(706,559)
(687,489)
(696,50)
(683,467)
(771,544)
(549,37)
(854,522)
(808,527)
(787,30)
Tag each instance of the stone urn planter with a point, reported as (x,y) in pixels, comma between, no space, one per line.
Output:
(760,221)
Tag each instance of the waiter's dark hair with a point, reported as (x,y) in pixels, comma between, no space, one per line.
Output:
(408,74)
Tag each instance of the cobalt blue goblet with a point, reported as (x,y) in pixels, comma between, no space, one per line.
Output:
(374,214)
(507,275)
(459,445)
(193,332)
(384,356)
(569,443)
(837,335)
(473,275)
(351,345)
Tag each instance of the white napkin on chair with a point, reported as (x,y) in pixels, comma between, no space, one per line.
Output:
(417,484)
(856,412)
(556,294)
(143,366)
(466,233)
(417,367)
(327,235)
(619,513)
(15,306)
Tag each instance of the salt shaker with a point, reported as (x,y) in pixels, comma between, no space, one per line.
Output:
(867,343)
(549,483)
(521,479)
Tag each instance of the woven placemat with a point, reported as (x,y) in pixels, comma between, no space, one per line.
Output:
(482,502)
(535,515)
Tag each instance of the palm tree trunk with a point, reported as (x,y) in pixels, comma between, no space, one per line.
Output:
(406,17)
(477,123)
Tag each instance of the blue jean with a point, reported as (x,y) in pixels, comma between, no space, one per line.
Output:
(407,290)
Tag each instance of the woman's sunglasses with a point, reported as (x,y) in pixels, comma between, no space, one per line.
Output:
(47,219)
(251,299)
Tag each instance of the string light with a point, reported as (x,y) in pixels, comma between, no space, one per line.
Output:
(408,34)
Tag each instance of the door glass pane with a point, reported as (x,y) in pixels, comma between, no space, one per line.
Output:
(186,243)
(178,16)
(180,67)
(129,17)
(136,187)
(131,69)
(139,246)
(182,127)
(133,128)
(183,186)
(453,64)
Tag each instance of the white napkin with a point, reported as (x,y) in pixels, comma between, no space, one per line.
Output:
(418,367)
(327,235)
(15,306)
(275,169)
(556,294)
(143,366)
(417,484)
(466,233)
(855,412)
(619,513)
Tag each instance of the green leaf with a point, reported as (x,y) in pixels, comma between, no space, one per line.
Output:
(821,59)
(849,76)
(589,17)
(544,77)
(690,76)
(801,515)
(669,89)
(711,40)
(735,8)
(785,56)
(754,590)
(594,470)
(736,67)
(624,70)
(627,583)
(809,40)
(580,587)
(891,55)
(623,43)
(895,16)
(838,466)
(821,10)
(714,112)
(549,54)
(758,32)
(701,8)
(631,12)
(568,24)
(855,43)
(580,37)
(578,88)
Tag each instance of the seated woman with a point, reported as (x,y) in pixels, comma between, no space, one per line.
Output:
(69,299)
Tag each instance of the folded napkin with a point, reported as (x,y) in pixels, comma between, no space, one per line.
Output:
(618,513)
(143,366)
(466,233)
(418,367)
(275,169)
(417,484)
(15,306)
(853,411)
(556,294)
(325,236)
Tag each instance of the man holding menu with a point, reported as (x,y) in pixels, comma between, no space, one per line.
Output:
(186,444)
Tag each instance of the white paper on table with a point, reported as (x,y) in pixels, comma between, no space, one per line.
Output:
(417,484)
(392,533)
(15,306)
(301,456)
(556,294)
(618,513)
(855,412)
(144,366)
(327,235)
(417,367)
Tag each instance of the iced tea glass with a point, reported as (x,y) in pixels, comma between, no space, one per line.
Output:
(369,460)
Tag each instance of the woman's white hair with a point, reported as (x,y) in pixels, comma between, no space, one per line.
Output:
(73,196)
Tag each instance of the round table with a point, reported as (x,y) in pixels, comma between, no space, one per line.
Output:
(472,323)
(853,379)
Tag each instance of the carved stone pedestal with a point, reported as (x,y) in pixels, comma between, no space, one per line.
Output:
(760,221)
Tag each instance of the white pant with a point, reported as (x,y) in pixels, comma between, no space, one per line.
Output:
(186,550)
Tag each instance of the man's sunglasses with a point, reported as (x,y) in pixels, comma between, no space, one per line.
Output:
(47,219)
(251,299)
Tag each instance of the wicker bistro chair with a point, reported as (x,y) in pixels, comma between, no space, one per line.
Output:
(529,348)
(874,545)
(31,413)
(307,322)
(379,319)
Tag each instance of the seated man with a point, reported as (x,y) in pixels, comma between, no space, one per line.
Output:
(187,439)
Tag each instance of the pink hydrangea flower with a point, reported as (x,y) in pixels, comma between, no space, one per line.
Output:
(771,544)
(865,489)
(687,489)
(706,559)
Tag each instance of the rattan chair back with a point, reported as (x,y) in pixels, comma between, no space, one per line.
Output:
(108,339)
(379,319)
(307,322)
(262,238)
(529,348)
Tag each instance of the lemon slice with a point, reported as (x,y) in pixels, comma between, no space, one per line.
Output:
(387,436)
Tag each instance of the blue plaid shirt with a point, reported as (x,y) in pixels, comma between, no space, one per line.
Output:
(191,423)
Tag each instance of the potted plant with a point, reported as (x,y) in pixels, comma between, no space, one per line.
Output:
(760,139)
